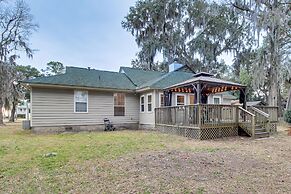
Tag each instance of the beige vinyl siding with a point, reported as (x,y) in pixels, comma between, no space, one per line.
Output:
(55,107)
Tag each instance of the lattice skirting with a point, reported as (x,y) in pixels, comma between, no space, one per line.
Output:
(195,133)
(273,128)
(219,132)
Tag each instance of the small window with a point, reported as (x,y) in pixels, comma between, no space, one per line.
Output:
(180,100)
(81,101)
(191,99)
(149,103)
(216,100)
(119,104)
(162,100)
(142,104)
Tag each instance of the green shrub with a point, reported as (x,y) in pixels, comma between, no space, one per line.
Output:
(287,116)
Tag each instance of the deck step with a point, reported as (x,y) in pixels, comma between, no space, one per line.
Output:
(262,134)
(259,130)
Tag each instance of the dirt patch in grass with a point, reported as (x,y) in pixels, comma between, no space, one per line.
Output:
(175,171)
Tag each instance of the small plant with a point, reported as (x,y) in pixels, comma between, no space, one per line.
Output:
(287,116)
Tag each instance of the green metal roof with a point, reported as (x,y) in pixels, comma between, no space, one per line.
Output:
(167,80)
(82,77)
(139,76)
(126,79)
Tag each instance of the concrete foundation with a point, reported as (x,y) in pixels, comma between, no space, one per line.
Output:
(146,127)
(81,128)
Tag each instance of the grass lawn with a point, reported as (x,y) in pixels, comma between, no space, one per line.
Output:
(141,162)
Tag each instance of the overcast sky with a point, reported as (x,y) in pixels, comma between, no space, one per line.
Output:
(81,33)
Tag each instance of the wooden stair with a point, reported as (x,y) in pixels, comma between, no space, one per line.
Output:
(261,132)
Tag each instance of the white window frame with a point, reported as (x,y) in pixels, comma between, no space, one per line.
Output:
(142,96)
(150,103)
(160,102)
(218,98)
(177,99)
(75,91)
(189,99)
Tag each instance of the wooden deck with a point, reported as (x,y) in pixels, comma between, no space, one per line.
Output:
(208,121)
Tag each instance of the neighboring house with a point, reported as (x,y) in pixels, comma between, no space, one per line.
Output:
(221,98)
(81,98)
(22,108)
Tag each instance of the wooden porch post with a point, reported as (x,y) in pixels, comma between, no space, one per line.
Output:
(199,104)
(199,93)
(244,98)
(167,98)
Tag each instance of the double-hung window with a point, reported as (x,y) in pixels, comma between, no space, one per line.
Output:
(149,102)
(142,104)
(81,101)
(119,104)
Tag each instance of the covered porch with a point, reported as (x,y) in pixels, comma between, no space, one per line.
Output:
(210,121)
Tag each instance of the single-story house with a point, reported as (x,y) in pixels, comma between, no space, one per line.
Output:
(81,98)
(22,109)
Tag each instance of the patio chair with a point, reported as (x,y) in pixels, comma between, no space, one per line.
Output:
(108,125)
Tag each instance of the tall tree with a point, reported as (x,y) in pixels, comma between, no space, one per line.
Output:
(270,22)
(196,32)
(53,68)
(17,91)
(27,72)
(16,26)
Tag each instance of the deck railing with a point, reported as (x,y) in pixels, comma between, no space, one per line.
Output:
(202,116)
(215,115)
(178,115)
(205,115)
(272,111)
(247,121)
(262,118)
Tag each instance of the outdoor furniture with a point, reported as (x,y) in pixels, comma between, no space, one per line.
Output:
(108,125)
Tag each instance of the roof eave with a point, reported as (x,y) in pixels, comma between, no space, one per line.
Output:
(77,87)
(143,89)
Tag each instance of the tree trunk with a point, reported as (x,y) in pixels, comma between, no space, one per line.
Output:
(12,116)
(280,106)
(274,62)
(273,88)
(288,107)
(1,113)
